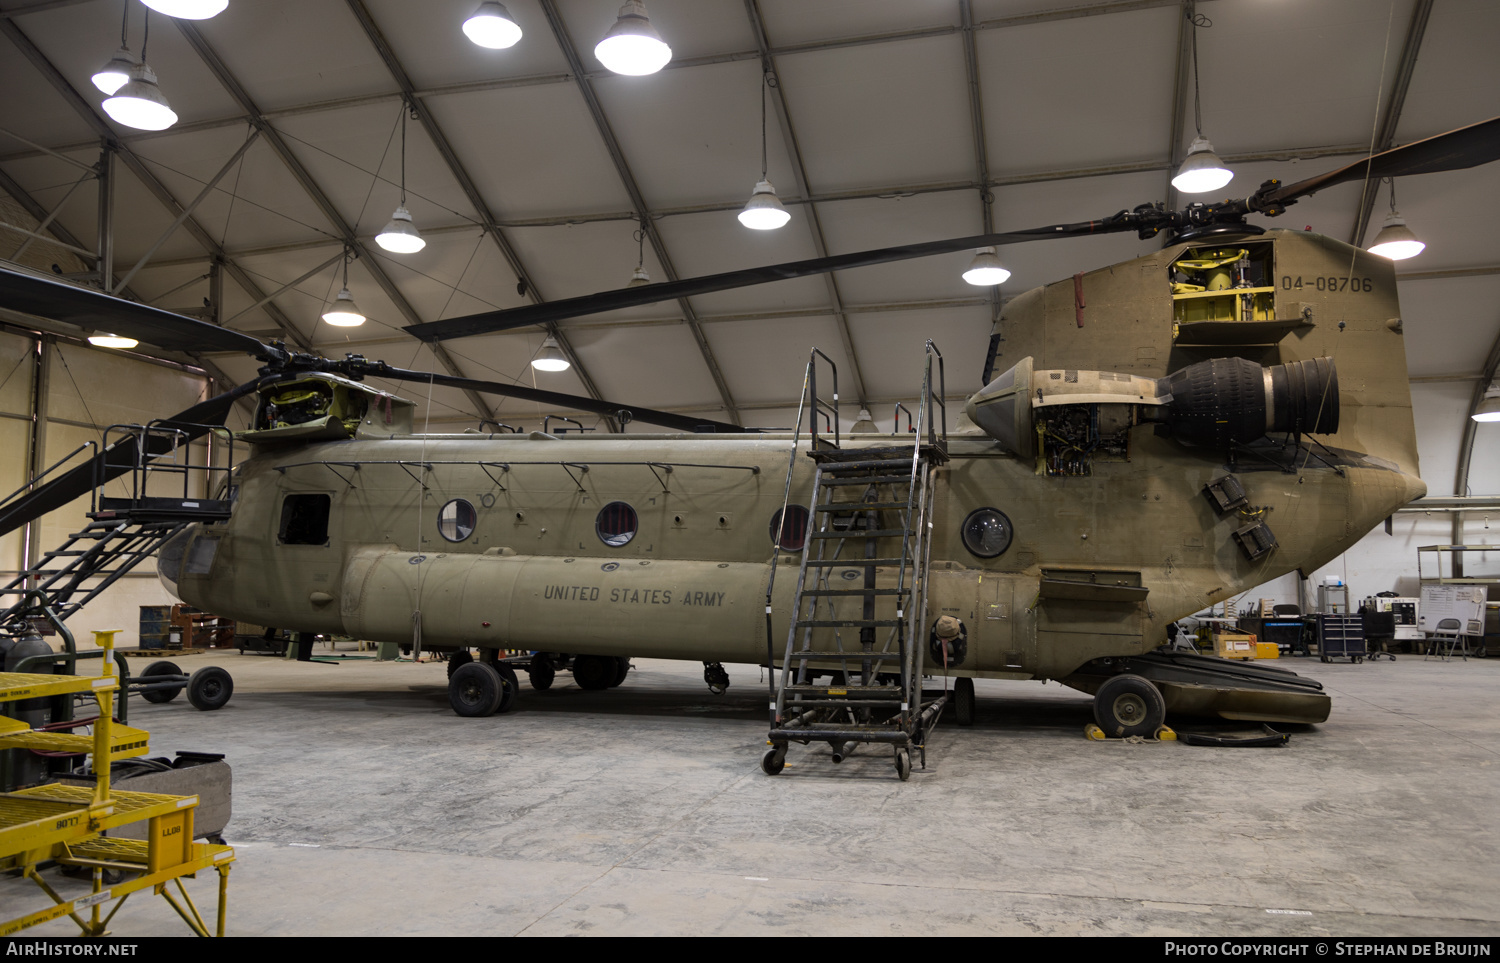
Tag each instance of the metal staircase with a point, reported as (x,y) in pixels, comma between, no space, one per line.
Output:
(122,531)
(870,524)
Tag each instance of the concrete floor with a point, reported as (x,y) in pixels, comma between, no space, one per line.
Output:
(363,806)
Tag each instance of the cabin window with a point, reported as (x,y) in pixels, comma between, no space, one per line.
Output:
(456,520)
(304,520)
(616,524)
(790,533)
(987,532)
(200,558)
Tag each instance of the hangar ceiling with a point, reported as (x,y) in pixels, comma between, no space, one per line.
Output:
(890,122)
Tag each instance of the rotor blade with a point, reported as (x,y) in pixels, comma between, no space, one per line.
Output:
(118,459)
(59,301)
(1456,150)
(650,416)
(491,321)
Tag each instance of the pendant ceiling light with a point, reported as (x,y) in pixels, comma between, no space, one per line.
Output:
(550,358)
(1489,408)
(1201,170)
(116,73)
(632,46)
(1395,240)
(401,236)
(138,102)
(986,268)
(343,312)
(118,341)
(188,9)
(492,26)
(763,212)
(640,277)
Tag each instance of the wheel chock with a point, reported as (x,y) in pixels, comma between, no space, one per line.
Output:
(1163,734)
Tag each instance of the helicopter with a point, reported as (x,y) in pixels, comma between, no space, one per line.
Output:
(1153,437)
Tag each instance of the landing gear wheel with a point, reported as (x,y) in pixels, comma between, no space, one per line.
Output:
(159,669)
(475,690)
(624,669)
(903,764)
(541,673)
(459,659)
(773,761)
(593,672)
(1324,658)
(1128,705)
(510,688)
(963,701)
(209,688)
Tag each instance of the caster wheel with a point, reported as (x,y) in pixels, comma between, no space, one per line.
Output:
(209,688)
(963,701)
(773,761)
(903,764)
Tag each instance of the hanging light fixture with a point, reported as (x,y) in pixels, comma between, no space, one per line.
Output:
(492,26)
(188,9)
(863,424)
(763,212)
(632,46)
(139,103)
(1395,240)
(116,73)
(119,341)
(1201,170)
(550,358)
(343,312)
(1489,408)
(400,235)
(640,276)
(986,268)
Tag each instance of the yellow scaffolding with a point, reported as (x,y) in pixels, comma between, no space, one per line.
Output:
(65,824)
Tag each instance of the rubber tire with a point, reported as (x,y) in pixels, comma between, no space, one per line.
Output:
(541,673)
(511,688)
(209,688)
(963,701)
(161,695)
(475,690)
(903,764)
(459,659)
(624,670)
(593,672)
(773,761)
(1128,705)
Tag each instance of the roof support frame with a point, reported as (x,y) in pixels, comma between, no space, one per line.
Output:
(642,211)
(799,174)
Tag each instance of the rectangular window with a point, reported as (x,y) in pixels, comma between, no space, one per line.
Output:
(304,520)
(200,558)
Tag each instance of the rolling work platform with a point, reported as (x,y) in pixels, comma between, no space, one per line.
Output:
(123,531)
(866,626)
(66,824)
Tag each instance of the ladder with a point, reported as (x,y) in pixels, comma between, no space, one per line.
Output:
(123,531)
(859,611)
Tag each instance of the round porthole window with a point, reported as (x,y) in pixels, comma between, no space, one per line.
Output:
(987,532)
(456,520)
(616,524)
(790,534)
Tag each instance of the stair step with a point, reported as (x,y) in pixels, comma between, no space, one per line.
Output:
(865,465)
(858,506)
(865,533)
(841,656)
(849,623)
(877,591)
(851,562)
(868,480)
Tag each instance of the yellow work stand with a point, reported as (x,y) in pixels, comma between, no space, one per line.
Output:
(65,824)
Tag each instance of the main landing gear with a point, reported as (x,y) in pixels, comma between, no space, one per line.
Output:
(490,685)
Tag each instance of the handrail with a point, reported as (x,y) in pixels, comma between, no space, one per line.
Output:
(55,466)
(547,423)
(177,435)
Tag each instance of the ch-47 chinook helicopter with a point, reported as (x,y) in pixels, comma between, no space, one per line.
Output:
(1157,436)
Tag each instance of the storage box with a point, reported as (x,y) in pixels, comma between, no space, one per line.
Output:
(1234,645)
(1267,650)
